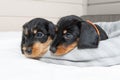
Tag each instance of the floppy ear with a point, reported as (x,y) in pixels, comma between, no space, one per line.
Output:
(51,29)
(88,37)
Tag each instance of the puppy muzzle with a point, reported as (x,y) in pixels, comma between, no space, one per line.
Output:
(38,49)
(61,49)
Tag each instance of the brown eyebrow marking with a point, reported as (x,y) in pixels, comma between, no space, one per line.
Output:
(24,48)
(35,31)
(65,31)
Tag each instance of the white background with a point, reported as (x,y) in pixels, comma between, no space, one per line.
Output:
(14,13)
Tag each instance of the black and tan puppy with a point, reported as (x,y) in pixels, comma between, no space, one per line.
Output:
(73,31)
(36,37)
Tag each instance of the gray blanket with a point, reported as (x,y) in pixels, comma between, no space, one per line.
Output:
(107,54)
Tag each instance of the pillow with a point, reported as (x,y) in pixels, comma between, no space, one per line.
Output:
(106,54)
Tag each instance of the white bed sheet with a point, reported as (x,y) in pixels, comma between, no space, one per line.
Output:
(14,66)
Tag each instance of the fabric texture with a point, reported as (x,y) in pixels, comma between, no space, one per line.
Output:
(107,54)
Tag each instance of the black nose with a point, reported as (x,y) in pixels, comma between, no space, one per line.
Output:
(53,49)
(29,51)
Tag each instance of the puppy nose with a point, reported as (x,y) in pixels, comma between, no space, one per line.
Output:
(53,49)
(29,51)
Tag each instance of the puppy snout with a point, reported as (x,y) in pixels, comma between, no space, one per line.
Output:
(29,51)
(53,49)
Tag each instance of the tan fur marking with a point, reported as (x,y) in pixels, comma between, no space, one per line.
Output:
(62,50)
(39,49)
(24,48)
(35,31)
(65,31)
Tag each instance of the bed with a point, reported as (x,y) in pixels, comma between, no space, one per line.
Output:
(14,66)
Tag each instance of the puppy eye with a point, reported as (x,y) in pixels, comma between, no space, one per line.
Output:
(39,35)
(68,36)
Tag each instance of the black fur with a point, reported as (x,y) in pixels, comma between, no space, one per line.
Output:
(79,30)
(103,34)
(44,27)
(88,37)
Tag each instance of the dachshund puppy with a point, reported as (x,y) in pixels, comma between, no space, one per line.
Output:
(36,37)
(73,31)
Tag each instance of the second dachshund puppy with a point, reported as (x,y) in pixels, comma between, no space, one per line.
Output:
(74,31)
(36,37)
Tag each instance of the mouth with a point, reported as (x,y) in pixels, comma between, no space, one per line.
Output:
(38,49)
(62,49)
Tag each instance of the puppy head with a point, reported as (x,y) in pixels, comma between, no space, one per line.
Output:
(73,31)
(67,35)
(36,37)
